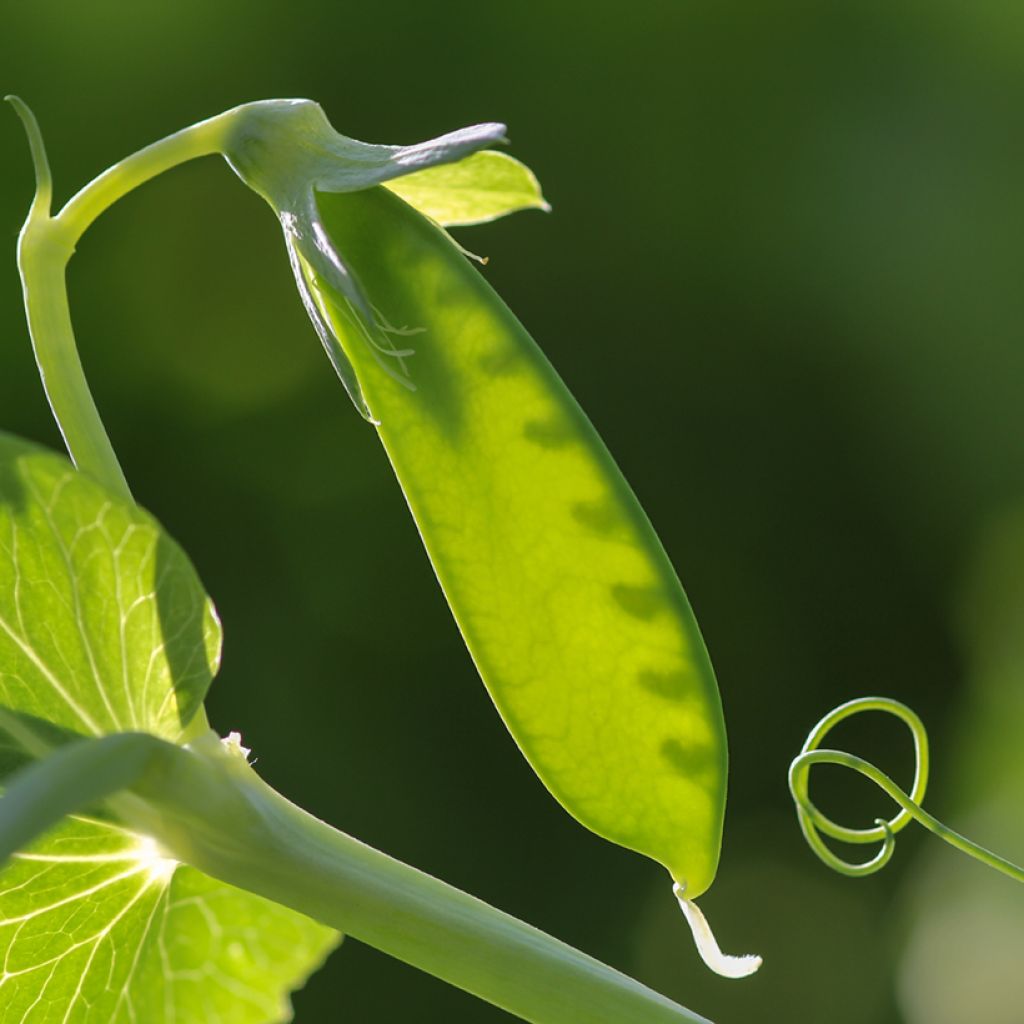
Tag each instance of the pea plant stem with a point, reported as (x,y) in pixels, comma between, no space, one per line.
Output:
(303,863)
(60,369)
(202,139)
(206,807)
(45,246)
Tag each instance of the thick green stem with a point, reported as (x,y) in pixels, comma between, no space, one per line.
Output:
(313,868)
(250,836)
(206,807)
(259,841)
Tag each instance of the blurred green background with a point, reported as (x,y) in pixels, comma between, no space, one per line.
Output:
(782,275)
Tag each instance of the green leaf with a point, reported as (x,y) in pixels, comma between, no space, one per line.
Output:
(478,189)
(96,927)
(564,594)
(104,626)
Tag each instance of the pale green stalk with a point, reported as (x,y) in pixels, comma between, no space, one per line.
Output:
(45,246)
(203,139)
(280,851)
(206,807)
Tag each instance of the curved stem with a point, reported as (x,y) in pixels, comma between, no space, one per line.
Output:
(813,822)
(203,139)
(45,245)
(60,369)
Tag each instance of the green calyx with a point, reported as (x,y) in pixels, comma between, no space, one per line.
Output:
(287,152)
(284,149)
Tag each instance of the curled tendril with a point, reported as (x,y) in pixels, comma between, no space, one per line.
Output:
(815,825)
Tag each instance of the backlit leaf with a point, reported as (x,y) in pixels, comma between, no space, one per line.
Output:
(480,188)
(105,627)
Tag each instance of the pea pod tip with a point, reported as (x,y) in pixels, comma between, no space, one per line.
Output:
(707,945)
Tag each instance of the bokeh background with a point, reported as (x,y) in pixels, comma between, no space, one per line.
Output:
(782,274)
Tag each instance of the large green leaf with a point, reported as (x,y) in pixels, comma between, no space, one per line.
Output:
(105,627)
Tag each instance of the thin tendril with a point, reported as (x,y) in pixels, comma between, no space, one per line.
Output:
(44,180)
(815,825)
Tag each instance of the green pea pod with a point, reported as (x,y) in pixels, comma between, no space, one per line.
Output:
(565,596)
(567,601)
